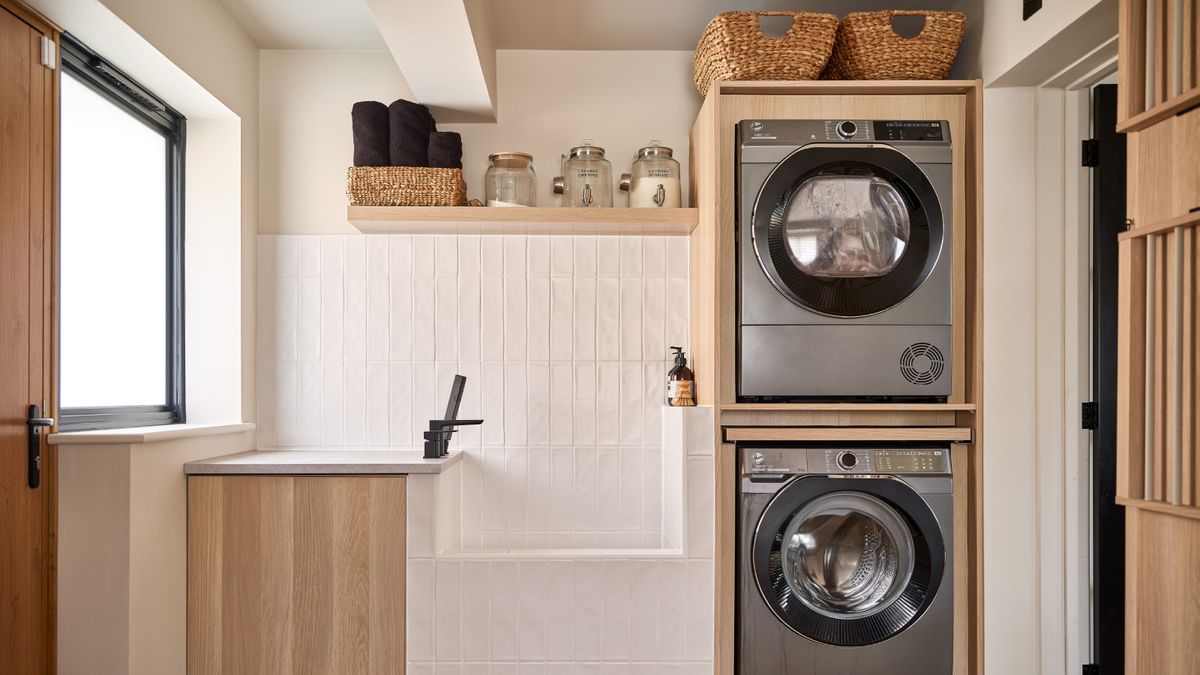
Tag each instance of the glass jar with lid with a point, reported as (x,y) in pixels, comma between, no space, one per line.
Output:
(510,180)
(587,178)
(654,182)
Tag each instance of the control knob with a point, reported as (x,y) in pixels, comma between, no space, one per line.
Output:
(847,129)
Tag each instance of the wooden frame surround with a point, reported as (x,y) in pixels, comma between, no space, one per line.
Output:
(713,316)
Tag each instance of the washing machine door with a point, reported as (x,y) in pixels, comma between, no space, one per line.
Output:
(847,231)
(848,562)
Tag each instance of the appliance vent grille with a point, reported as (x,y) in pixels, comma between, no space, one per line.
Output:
(922,363)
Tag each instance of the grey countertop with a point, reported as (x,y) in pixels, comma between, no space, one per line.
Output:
(321,463)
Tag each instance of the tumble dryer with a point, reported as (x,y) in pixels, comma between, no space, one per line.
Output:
(844,251)
(845,560)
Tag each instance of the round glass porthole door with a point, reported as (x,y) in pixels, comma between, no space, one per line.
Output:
(848,231)
(848,565)
(847,554)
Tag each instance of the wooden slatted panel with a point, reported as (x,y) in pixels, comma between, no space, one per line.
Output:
(1131,78)
(1131,368)
(1188,372)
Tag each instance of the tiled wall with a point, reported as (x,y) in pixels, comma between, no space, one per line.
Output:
(557,615)
(564,341)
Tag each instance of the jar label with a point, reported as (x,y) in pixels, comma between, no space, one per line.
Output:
(660,173)
(587,173)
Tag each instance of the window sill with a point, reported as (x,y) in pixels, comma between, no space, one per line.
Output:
(140,435)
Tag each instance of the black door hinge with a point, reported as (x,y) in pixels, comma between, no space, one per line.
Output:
(1091,669)
(1091,152)
(1088,418)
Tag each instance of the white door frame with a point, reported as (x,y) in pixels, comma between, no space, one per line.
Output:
(1037,494)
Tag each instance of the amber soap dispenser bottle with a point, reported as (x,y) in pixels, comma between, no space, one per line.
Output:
(681,384)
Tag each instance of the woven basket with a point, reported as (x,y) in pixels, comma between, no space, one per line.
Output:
(733,47)
(405,186)
(868,48)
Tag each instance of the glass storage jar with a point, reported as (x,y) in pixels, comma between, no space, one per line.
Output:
(654,182)
(510,180)
(587,178)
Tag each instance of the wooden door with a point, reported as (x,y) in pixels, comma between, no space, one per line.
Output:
(27,131)
(296,574)
(1158,360)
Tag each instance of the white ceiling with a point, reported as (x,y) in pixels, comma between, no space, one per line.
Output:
(536,24)
(307,24)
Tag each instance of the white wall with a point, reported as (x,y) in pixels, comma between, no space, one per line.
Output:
(306,143)
(1036,481)
(198,59)
(547,102)
(564,342)
(598,612)
(122,538)
(1017,52)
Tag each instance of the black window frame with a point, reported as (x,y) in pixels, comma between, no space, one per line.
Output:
(105,79)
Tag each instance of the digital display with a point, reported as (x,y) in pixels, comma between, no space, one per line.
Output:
(911,461)
(908,130)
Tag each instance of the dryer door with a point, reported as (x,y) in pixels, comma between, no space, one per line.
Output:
(847,231)
(848,562)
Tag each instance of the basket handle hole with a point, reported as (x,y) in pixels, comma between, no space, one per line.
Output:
(775,26)
(908,26)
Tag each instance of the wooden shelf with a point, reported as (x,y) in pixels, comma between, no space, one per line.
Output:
(865,87)
(852,434)
(515,220)
(1169,108)
(849,407)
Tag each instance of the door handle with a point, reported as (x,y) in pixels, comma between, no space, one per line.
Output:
(35,424)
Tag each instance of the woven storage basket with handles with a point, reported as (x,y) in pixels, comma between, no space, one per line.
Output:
(733,47)
(868,48)
(405,186)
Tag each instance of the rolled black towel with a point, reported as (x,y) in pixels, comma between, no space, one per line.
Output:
(369,120)
(445,150)
(409,127)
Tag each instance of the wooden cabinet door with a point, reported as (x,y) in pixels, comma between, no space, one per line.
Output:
(1158,362)
(27,497)
(296,574)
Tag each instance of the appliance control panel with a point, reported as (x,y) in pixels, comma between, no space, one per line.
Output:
(772,132)
(908,130)
(763,463)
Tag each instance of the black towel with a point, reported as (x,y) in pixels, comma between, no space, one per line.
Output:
(445,150)
(409,127)
(370,122)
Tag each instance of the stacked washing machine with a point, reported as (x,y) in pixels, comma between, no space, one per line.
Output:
(844,293)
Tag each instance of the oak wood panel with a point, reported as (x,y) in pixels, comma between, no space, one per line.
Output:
(713,254)
(296,574)
(525,221)
(703,273)
(856,434)
(28,104)
(1162,596)
(840,87)
(725,558)
(1161,226)
(1162,111)
(1181,511)
(835,417)
(1131,368)
(1131,53)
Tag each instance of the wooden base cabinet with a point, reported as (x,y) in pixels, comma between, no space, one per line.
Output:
(296,574)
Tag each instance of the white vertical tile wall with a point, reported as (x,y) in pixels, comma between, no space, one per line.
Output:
(566,612)
(564,341)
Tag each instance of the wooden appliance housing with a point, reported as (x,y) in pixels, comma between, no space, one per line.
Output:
(713,316)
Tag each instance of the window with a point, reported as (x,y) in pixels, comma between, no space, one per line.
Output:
(121,249)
